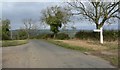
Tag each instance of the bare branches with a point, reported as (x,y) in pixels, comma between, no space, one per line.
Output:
(28,23)
(101,11)
(82,10)
(112,7)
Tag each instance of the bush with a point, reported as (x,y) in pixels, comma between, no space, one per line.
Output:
(44,36)
(21,34)
(87,35)
(62,36)
(108,35)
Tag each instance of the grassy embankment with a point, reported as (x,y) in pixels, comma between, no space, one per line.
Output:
(107,51)
(7,43)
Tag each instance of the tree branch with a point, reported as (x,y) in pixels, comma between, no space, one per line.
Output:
(113,7)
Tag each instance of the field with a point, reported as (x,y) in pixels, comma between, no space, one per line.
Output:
(13,42)
(107,51)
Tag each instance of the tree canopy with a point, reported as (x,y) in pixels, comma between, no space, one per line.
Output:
(96,12)
(55,17)
(5,29)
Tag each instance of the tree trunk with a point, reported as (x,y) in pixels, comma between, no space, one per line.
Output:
(54,35)
(97,26)
(27,34)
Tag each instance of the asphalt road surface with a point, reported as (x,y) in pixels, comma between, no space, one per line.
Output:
(41,54)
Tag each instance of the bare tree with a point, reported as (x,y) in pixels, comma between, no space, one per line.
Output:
(28,23)
(96,12)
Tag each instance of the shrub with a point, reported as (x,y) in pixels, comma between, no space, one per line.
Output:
(22,34)
(44,36)
(62,36)
(87,35)
(110,35)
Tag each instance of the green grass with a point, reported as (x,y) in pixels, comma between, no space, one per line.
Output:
(7,43)
(82,49)
(113,59)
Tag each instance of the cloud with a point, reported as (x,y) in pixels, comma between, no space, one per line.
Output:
(54,0)
(0,10)
(17,11)
(35,0)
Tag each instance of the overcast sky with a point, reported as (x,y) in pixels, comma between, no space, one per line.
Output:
(17,11)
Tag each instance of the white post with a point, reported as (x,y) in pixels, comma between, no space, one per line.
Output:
(101,34)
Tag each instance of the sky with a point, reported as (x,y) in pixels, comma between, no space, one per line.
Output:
(17,11)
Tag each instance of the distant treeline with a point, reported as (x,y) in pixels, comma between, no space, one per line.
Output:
(109,35)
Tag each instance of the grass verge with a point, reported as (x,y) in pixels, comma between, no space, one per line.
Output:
(113,59)
(7,43)
(59,43)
